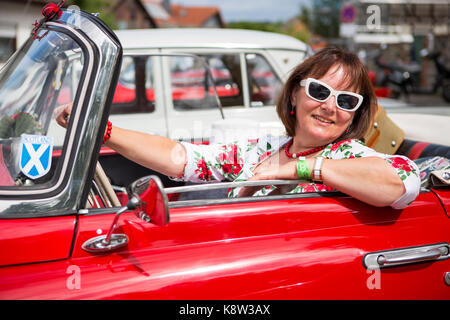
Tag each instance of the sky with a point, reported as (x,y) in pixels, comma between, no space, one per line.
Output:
(251,10)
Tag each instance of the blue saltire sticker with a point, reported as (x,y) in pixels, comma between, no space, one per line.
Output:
(35,155)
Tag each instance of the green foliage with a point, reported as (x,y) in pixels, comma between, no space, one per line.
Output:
(276,27)
(261,26)
(20,122)
(305,16)
(323,18)
(6,127)
(103,7)
(298,34)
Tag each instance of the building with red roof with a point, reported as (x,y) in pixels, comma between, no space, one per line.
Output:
(167,15)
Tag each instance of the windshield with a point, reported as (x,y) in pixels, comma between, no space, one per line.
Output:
(42,75)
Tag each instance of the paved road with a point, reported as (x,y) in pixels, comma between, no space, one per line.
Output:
(427,104)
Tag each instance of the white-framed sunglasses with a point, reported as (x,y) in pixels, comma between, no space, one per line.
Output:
(320,91)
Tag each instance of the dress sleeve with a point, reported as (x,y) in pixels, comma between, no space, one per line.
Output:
(213,162)
(406,169)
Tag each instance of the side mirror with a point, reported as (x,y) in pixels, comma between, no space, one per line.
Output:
(152,204)
(148,201)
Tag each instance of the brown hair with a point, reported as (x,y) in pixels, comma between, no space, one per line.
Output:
(317,66)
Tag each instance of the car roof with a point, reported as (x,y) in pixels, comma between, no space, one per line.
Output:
(206,38)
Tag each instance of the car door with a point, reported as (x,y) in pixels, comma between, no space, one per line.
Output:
(138,102)
(310,246)
(47,170)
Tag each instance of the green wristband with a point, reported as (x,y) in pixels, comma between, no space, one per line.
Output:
(303,172)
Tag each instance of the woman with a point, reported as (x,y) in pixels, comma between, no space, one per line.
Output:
(326,105)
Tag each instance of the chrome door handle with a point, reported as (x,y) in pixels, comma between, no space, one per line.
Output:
(410,257)
(399,257)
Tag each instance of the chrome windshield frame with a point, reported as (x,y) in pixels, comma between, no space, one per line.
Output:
(83,139)
(88,51)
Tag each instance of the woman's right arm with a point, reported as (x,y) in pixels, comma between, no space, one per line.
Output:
(158,153)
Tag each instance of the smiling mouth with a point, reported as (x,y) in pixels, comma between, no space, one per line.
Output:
(322,119)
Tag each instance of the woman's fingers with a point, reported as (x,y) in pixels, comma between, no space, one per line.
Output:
(284,172)
(249,191)
(62,114)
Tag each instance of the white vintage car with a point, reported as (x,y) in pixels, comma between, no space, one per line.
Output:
(164,86)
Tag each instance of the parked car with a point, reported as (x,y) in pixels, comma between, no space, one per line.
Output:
(165,81)
(66,233)
(247,67)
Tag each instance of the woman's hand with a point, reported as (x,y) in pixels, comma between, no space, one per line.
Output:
(62,114)
(287,171)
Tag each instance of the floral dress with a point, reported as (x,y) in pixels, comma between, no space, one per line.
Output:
(236,161)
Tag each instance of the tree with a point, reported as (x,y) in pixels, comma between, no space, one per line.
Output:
(323,18)
(276,27)
(261,26)
(103,7)
(305,16)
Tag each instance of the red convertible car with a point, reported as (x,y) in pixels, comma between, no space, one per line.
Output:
(74,225)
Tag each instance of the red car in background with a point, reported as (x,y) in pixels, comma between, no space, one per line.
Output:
(72,230)
(187,85)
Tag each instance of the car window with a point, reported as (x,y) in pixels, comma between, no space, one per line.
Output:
(191,87)
(226,72)
(264,84)
(44,74)
(133,95)
(126,84)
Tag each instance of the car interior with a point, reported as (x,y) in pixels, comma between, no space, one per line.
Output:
(130,171)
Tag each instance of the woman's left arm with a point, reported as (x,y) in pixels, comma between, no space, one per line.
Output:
(371,180)
(354,169)
(375,178)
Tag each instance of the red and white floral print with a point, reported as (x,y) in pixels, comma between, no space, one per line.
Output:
(236,161)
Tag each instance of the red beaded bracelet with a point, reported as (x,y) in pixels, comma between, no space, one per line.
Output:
(108,132)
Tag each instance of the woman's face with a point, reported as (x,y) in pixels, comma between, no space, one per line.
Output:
(320,123)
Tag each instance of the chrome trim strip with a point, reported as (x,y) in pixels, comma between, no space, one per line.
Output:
(76,116)
(100,195)
(119,189)
(234,184)
(207,202)
(94,198)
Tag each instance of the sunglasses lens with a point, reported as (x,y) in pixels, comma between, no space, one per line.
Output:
(346,101)
(318,91)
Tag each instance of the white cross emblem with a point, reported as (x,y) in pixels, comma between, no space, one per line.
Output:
(36,155)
